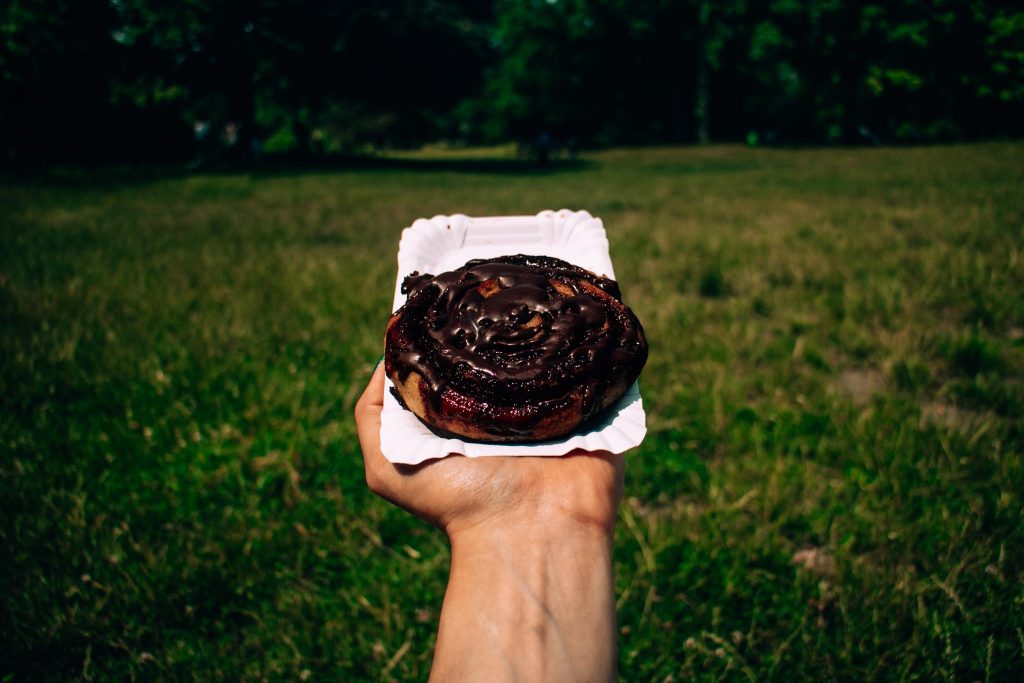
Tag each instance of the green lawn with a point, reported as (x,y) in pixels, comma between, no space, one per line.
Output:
(831,487)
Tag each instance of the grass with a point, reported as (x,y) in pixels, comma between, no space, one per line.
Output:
(831,487)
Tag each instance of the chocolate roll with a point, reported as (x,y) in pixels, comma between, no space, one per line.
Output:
(512,349)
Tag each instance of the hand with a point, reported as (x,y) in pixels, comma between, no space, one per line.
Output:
(457,493)
(530,596)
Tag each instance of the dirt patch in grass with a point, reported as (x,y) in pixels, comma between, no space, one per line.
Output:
(947,416)
(860,385)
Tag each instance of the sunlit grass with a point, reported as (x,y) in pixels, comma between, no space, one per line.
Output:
(831,486)
(447,151)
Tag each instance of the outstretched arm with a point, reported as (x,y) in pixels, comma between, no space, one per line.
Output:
(530,594)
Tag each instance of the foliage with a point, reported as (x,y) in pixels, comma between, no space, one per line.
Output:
(128,79)
(830,487)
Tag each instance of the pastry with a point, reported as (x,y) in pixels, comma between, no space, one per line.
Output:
(512,349)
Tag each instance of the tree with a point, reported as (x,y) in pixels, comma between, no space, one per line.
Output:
(54,60)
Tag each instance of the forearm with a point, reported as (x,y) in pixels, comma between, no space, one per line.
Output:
(533,602)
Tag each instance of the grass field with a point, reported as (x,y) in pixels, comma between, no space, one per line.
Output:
(831,487)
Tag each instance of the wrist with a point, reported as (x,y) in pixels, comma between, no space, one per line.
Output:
(520,540)
(543,604)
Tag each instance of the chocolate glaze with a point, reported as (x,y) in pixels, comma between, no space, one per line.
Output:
(519,333)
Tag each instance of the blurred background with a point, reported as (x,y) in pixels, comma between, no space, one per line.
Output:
(168,81)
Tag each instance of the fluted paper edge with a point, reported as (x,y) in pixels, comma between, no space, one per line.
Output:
(442,243)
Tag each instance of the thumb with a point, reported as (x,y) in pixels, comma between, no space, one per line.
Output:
(369,407)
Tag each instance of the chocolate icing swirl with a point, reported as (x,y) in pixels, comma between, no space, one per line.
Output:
(529,331)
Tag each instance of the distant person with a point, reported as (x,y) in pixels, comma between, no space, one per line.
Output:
(201,133)
(318,144)
(230,134)
(543,148)
(255,143)
(201,128)
(573,148)
(530,593)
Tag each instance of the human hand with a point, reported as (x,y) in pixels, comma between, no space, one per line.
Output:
(458,493)
(530,595)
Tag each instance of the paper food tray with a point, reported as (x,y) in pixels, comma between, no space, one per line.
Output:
(444,243)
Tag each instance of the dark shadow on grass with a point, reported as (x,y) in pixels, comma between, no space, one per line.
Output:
(483,165)
(89,177)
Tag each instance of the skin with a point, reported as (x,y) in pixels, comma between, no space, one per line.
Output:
(530,593)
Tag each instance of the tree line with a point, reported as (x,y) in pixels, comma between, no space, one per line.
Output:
(169,80)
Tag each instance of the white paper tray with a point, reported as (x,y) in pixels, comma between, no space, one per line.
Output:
(444,243)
